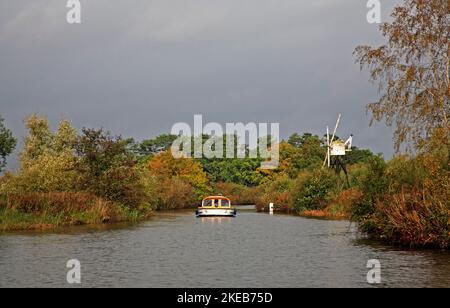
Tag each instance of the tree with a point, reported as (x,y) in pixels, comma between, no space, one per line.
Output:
(357,155)
(37,141)
(108,168)
(47,161)
(7,143)
(307,138)
(233,170)
(186,174)
(312,150)
(312,190)
(308,153)
(65,137)
(295,140)
(412,70)
(156,145)
(99,151)
(374,185)
(301,152)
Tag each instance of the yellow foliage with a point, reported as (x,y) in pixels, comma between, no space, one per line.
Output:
(166,168)
(48,173)
(47,159)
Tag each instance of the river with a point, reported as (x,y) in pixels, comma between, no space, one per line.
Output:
(175,249)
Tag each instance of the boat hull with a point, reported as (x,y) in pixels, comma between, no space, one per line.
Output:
(214,212)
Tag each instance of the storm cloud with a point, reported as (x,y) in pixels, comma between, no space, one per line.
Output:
(136,67)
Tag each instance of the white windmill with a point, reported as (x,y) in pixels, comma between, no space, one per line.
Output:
(336,147)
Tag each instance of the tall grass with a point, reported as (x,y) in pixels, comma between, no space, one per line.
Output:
(413,218)
(53,202)
(56,209)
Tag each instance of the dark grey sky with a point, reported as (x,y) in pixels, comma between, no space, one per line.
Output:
(136,67)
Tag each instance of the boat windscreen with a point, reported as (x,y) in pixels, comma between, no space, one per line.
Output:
(225,203)
(208,202)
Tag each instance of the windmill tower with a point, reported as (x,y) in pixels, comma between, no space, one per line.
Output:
(337,149)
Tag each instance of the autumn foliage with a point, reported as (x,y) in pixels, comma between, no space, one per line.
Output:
(181,183)
(66,178)
(412,70)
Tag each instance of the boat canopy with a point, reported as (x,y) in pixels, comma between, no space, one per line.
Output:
(216,201)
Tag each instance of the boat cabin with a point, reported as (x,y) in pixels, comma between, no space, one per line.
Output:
(216,202)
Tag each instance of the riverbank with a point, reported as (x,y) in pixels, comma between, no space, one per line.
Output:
(324,214)
(319,214)
(47,211)
(333,211)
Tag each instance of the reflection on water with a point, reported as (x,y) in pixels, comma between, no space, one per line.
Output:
(175,249)
(215,220)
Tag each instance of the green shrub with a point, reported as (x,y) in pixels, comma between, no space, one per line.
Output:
(277,191)
(313,190)
(109,170)
(374,185)
(404,172)
(357,173)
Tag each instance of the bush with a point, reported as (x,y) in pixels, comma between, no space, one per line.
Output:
(341,205)
(33,211)
(123,185)
(237,171)
(276,191)
(357,173)
(407,201)
(175,193)
(313,190)
(65,206)
(55,202)
(169,171)
(3,191)
(239,194)
(47,161)
(48,173)
(404,172)
(3,201)
(109,170)
(413,219)
(374,185)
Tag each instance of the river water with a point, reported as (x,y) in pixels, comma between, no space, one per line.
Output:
(175,249)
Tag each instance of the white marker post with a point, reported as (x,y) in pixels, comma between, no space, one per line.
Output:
(271,208)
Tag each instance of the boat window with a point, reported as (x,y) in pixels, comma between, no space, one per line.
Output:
(225,203)
(208,202)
